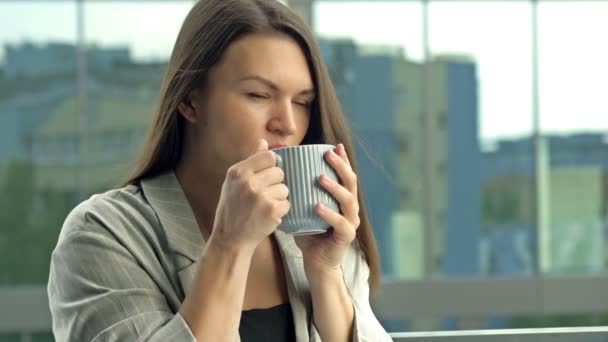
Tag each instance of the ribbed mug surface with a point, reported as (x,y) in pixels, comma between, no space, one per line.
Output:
(302,166)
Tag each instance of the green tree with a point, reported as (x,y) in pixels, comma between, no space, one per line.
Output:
(507,200)
(15,203)
(30,220)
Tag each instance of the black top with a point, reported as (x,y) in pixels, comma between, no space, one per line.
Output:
(273,324)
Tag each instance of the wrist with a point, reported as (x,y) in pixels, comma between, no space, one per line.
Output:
(317,265)
(229,249)
(323,276)
(223,237)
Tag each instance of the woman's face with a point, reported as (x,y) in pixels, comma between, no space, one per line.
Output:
(261,88)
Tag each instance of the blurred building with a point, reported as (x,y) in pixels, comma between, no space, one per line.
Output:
(28,60)
(381,93)
(20,116)
(366,88)
(63,141)
(577,192)
(115,129)
(454,83)
(453,158)
(576,220)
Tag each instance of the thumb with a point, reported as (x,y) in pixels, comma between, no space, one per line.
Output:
(262,145)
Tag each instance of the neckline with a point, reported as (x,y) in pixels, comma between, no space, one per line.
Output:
(279,306)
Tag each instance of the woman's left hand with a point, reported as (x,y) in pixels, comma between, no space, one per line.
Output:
(324,252)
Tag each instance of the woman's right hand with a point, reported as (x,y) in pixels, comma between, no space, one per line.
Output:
(252,202)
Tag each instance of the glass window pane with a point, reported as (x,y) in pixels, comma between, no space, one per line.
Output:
(574,124)
(59,144)
(38,69)
(480,79)
(125,65)
(443,143)
(375,72)
(148,29)
(478,161)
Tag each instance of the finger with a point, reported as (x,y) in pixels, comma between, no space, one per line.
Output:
(262,145)
(269,176)
(282,208)
(277,191)
(259,161)
(345,173)
(343,230)
(347,200)
(341,151)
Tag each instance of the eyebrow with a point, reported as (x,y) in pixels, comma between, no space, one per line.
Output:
(272,85)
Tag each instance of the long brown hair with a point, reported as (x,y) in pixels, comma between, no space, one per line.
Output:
(209,28)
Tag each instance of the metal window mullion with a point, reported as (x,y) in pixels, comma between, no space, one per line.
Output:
(426,146)
(81,75)
(541,177)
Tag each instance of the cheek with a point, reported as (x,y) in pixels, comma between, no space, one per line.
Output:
(229,113)
(241,121)
(303,123)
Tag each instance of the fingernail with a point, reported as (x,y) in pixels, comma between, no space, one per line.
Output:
(324,179)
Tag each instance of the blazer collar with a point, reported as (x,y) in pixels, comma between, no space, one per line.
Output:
(168,200)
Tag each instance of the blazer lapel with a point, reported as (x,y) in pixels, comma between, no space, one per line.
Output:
(177,219)
(184,238)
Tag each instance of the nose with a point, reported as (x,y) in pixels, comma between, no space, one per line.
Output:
(282,120)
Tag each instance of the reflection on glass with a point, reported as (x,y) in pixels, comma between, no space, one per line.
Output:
(376,75)
(479,211)
(488,229)
(574,123)
(439,124)
(45,150)
(444,145)
(147,29)
(37,72)
(125,63)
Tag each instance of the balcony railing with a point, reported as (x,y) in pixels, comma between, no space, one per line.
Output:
(25,311)
(587,334)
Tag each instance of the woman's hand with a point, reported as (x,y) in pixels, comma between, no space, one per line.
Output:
(253,201)
(325,252)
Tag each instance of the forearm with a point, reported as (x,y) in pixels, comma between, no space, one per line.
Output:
(213,306)
(333,312)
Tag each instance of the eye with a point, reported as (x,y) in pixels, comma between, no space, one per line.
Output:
(304,104)
(257,96)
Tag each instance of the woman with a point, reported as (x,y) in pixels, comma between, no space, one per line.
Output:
(188,248)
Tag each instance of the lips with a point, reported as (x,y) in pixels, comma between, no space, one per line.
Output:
(272,147)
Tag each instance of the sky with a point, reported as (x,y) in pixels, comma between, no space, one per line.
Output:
(572,50)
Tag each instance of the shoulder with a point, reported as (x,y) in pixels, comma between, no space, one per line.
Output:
(117,214)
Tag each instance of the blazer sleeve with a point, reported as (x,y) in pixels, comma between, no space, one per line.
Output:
(366,327)
(99,292)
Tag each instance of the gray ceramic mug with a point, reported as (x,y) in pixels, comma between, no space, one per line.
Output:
(302,166)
